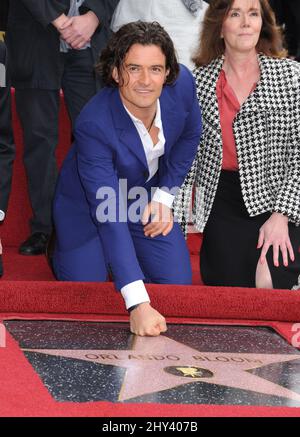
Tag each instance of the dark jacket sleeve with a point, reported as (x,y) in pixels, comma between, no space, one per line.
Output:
(45,11)
(104,9)
(3,14)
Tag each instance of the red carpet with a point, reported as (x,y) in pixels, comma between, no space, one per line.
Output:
(75,301)
(187,302)
(31,398)
(28,290)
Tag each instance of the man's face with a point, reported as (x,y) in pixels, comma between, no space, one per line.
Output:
(143,76)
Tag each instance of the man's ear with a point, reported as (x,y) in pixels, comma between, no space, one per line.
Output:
(167,74)
(115,74)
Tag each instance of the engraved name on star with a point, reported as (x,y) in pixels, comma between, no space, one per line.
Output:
(160,363)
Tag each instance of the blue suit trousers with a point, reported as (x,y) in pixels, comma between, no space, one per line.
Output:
(163,260)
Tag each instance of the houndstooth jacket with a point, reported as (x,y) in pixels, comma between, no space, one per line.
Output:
(267,135)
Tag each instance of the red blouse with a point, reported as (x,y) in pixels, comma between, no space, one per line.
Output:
(229,106)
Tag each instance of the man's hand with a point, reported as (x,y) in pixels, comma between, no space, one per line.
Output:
(62,22)
(161,219)
(81,30)
(145,320)
(275,232)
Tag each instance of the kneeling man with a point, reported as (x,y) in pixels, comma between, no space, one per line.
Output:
(135,141)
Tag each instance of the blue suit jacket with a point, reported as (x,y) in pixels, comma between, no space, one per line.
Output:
(107,148)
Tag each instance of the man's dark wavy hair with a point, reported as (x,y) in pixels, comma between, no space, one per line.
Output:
(120,43)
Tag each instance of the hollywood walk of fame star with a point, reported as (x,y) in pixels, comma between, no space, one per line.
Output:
(160,363)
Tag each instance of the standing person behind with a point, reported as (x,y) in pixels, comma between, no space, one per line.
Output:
(48,51)
(7,147)
(247,173)
(137,137)
(181,19)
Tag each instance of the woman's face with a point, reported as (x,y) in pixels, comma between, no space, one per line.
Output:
(242,26)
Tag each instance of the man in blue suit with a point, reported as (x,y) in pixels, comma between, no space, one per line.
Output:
(135,142)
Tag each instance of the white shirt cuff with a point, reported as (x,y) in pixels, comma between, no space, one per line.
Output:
(134,293)
(163,197)
(2,215)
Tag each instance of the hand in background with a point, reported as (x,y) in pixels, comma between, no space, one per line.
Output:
(79,31)
(62,22)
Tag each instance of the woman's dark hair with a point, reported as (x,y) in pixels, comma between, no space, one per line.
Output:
(212,45)
(120,43)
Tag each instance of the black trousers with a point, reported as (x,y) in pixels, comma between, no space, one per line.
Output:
(38,110)
(7,146)
(229,253)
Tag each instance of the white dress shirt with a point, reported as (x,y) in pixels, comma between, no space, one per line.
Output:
(135,292)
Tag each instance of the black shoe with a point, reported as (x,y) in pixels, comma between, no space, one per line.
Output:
(36,244)
(1,266)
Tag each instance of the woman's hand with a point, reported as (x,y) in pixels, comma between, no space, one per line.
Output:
(161,219)
(275,232)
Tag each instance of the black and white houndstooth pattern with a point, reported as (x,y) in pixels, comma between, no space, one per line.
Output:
(267,135)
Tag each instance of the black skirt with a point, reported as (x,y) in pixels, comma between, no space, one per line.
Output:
(229,253)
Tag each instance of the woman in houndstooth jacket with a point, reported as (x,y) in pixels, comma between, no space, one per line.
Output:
(247,172)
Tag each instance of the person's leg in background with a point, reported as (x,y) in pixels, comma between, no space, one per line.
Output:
(7,146)
(38,111)
(78,81)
